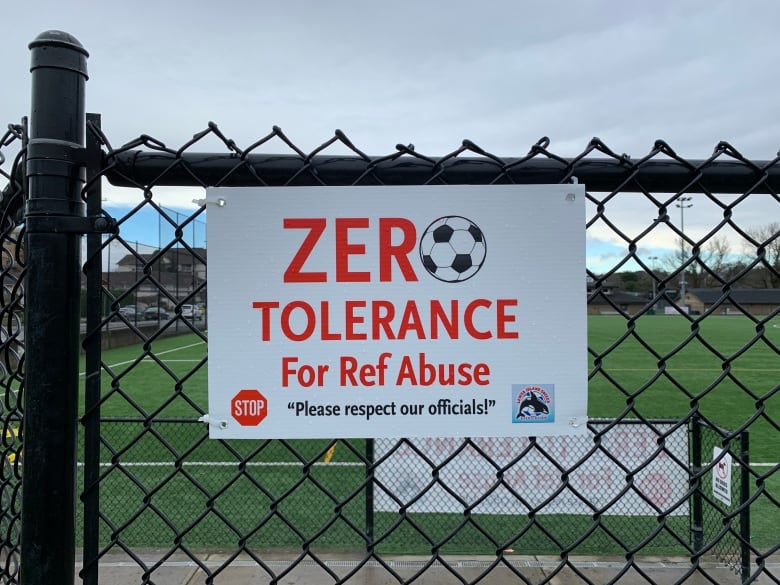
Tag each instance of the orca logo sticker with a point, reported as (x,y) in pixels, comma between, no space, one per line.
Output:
(533,403)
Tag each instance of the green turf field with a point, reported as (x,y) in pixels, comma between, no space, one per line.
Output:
(170,479)
(652,370)
(663,368)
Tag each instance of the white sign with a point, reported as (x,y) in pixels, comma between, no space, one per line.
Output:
(467,477)
(721,475)
(386,311)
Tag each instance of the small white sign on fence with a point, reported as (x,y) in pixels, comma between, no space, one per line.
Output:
(721,475)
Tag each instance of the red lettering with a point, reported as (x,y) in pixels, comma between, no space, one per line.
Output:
(502,319)
(401,251)
(316,227)
(464,373)
(411,321)
(391,249)
(348,368)
(442,374)
(265,317)
(406,373)
(344,249)
(352,319)
(361,320)
(439,316)
(325,319)
(311,321)
(427,371)
(482,374)
(468,319)
(287,371)
(382,315)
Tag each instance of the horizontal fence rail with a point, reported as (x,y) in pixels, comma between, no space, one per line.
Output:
(134,167)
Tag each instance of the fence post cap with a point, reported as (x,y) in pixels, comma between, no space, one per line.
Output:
(58,38)
(58,50)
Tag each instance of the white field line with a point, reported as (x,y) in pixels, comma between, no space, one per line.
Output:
(229,464)
(273,464)
(116,365)
(676,370)
(218,562)
(148,359)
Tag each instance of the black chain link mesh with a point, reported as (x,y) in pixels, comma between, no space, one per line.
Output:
(158,481)
(721,517)
(11,352)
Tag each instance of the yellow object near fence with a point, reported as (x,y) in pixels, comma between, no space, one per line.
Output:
(12,432)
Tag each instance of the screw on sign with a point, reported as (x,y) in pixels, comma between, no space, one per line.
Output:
(249,407)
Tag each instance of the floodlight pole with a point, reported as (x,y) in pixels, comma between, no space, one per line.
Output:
(683,203)
(655,290)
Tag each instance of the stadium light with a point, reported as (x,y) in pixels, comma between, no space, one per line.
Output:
(652,265)
(683,203)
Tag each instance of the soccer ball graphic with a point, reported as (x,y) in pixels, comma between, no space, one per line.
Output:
(452,248)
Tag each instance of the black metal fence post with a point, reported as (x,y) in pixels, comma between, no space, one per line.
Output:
(54,218)
(92,344)
(744,498)
(370,495)
(697,512)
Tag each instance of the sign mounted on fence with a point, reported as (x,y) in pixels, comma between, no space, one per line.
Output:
(721,475)
(387,311)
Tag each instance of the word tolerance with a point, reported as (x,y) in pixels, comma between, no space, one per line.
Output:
(380,320)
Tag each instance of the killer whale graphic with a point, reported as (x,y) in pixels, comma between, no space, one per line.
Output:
(532,405)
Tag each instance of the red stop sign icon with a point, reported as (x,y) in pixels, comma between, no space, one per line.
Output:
(249,407)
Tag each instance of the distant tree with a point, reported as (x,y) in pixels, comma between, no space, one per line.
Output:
(767,274)
(714,263)
(720,260)
(629,281)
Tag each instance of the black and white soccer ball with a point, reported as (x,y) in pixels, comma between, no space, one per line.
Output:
(453,248)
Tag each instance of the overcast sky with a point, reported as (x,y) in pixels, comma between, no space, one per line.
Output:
(500,73)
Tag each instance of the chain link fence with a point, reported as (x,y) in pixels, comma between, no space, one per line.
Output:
(625,492)
(433,481)
(636,485)
(721,513)
(12,351)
